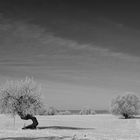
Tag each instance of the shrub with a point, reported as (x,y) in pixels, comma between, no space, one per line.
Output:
(87,111)
(126,105)
(21,98)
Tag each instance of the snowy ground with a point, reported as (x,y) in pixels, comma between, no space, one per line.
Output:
(71,127)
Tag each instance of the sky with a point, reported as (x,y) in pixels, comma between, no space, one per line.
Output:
(83,53)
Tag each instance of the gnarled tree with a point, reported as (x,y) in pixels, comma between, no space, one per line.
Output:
(21,98)
(126,105)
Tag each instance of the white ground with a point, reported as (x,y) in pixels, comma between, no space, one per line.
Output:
(100,127)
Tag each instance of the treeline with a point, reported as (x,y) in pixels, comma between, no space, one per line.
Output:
(53,111)
(23,98)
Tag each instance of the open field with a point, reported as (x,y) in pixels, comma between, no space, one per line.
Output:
(71,127)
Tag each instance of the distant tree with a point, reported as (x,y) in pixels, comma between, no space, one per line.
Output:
(87,111)
(126,105)
(51,111)
(42,110)
(21,98)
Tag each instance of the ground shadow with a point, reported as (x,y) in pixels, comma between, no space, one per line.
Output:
(63,127)
(133,117)
(38,138)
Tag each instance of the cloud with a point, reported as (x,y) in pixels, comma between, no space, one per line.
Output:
(117,55)
(28,44)
(110,22)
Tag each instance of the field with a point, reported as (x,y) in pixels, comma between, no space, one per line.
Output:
(71,127)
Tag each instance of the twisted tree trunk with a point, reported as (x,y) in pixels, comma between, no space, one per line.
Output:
(29,117)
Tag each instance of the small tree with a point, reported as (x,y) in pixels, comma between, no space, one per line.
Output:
(21,98)
(126,105)
(87,111)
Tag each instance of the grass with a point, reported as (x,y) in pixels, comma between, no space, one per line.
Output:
(72,127)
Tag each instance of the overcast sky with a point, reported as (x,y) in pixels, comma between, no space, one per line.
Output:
(83,53)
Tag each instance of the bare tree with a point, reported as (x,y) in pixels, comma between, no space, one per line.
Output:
(126,105)
(21,98)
